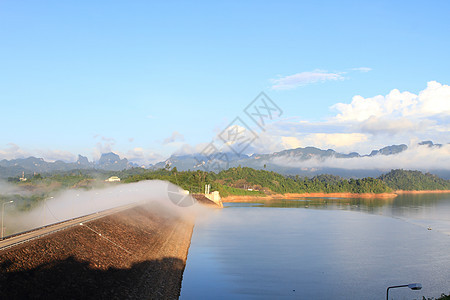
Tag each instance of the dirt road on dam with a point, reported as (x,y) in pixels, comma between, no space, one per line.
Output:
(138,253)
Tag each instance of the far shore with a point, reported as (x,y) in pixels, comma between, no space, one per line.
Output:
(423,192)
(234,198)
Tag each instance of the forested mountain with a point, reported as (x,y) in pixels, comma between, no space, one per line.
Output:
(414,181)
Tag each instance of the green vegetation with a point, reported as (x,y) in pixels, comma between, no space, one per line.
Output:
(414,181)
(442,297)
(271,182)
(247,181)
(240,181)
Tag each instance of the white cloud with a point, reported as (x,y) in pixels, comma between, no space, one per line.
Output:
(364,124)
(291,142)
(337,141)
(304,78)
(334,140)
(101,148)
(54,155)
(189,149)
(416,157)
(141,156)
(105,145)
(362,69)
(375,125)
(13,151)
(175,137)
(434,100)
(422,115)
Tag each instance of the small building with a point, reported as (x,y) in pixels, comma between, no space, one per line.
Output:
(23,178)
(113,179)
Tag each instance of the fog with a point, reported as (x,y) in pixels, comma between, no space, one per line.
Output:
(10,189)
(417,158)
(70,204)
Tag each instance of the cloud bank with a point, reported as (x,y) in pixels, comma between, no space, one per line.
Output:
(364,124)
(418,158)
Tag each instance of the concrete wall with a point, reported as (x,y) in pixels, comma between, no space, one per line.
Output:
(215,197)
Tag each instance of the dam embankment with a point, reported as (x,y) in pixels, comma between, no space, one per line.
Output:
(139,253)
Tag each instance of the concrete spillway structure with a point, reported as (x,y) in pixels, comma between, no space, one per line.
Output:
(213,196)
(210,200)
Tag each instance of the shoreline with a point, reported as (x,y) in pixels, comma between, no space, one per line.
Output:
(423,192)
(309,195)
(329,195)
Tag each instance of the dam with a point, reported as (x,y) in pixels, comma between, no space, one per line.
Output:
(138,252)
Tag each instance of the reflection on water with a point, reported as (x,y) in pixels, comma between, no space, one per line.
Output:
(325,249)
(426,210)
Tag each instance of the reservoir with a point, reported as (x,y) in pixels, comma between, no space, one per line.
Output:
(321,248)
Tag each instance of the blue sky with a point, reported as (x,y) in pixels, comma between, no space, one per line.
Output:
(125,76)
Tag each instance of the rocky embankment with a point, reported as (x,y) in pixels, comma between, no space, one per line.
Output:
(139,253)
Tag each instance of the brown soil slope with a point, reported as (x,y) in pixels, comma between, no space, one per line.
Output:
(139,253)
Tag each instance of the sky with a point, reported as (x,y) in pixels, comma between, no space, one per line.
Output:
(149,79)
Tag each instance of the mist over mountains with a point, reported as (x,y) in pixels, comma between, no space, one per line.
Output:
(308,161)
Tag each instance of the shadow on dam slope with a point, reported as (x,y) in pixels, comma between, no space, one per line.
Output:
(74,279)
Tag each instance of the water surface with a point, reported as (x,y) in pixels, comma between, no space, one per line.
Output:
(321,249)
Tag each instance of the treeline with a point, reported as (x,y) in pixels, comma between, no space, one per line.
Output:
(414,181)
(248,181)
(271,182)
(193,181)
(56,181)
(244,181)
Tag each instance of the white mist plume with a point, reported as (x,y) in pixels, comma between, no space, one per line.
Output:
(10,189)
(75,203)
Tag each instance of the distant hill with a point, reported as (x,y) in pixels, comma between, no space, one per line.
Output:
(112,162)
(290,161)
(270,161)
(414,181)
(107,162)
(247,181)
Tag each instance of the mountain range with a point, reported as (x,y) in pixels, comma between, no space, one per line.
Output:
(291,158)
(108,162)
(112,162)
